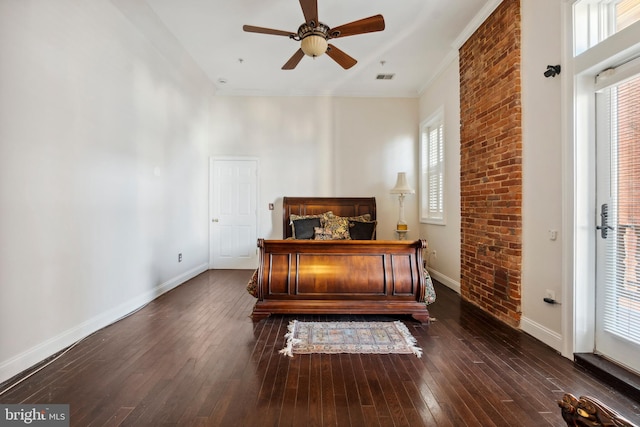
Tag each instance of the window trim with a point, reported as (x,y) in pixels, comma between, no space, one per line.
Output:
(436,119)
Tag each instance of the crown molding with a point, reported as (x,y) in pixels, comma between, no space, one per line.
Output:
(475,23)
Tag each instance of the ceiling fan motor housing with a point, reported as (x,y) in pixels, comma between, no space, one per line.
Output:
(314,39)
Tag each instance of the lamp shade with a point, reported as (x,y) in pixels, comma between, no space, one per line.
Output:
(314,45)
(402,187)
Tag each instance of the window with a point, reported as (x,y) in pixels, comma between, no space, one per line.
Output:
(596,20)
(432,169)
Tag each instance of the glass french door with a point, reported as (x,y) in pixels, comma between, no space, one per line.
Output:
(618,216)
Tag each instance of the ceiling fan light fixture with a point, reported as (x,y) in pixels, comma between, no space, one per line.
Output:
(314,45)
(314,36)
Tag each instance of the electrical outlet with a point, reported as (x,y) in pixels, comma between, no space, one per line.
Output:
(550,294)
(180,257)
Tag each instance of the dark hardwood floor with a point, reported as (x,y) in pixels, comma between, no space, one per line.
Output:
(194,357)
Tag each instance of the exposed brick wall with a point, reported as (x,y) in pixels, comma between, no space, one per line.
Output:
(491,165)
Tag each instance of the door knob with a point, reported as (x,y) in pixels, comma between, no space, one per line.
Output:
(214,220)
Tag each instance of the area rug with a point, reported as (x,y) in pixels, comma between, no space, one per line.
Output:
(349,337)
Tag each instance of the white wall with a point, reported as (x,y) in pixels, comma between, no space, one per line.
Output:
(444,92)
(310,146)
(542,170)
(374,140)
(103,174)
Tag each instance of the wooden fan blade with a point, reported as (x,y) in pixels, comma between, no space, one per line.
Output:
(340,57)
(366,25)
(261,30)
(310,10)
(294,60)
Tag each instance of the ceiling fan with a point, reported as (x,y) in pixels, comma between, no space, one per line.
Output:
(314,35)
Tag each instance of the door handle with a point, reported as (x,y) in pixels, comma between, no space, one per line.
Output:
(604,218)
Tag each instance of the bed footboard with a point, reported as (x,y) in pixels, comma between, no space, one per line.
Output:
(341,277)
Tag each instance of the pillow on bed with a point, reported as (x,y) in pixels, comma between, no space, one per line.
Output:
(304,228)
(293,217)
(362,230)
(322,234)
(339,227)
(365,217)
(323,216)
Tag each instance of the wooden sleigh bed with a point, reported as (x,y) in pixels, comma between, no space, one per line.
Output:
(338,276)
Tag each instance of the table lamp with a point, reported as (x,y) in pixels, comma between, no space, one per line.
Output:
(401,189)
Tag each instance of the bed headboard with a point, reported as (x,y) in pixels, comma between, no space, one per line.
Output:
(341,206)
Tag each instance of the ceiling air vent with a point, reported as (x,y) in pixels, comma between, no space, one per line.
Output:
(384,76)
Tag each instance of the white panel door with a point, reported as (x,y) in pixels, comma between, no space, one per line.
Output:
(233,236)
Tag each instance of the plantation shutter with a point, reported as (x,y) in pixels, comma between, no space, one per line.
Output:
(432,169)
(435,172)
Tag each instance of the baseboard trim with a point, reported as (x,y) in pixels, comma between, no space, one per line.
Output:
(541,333)
(445,280)
(37,354)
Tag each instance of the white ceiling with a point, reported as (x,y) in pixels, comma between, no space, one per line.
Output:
(421,36)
